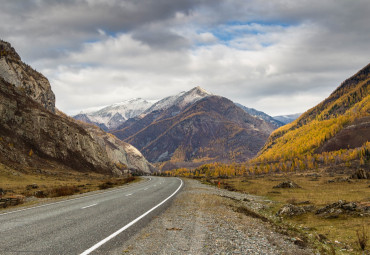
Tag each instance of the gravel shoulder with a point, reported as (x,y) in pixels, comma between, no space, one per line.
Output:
(203,220)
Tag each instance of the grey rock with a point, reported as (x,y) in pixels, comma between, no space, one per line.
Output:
(291,210)
(24,78)
(287,185)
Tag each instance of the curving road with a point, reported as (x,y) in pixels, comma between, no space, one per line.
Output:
(92,224)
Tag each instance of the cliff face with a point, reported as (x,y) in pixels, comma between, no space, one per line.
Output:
(22,76)
(34,134)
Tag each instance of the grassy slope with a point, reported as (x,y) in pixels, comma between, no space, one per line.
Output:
(319,193)
(67,182)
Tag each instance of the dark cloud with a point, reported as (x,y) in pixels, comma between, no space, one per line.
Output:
(256,52)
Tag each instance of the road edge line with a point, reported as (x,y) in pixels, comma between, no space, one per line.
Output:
(94,247)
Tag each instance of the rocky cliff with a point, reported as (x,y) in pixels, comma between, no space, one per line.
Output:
(22,76)
(34,134)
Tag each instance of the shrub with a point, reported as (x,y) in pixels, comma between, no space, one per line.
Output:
(63,191)
(362,238)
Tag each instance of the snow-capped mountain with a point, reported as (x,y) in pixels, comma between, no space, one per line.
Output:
(181,100)
(112,116)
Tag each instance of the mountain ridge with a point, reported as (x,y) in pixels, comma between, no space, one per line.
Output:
(35,134)
(204,131)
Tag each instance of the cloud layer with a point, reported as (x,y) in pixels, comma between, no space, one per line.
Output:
(280,56)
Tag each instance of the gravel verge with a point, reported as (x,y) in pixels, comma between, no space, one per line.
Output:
(205,220)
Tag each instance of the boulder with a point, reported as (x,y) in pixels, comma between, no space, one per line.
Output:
(290,210)
(334,210)
(287,185)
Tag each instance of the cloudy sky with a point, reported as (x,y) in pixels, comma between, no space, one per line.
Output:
(280,56)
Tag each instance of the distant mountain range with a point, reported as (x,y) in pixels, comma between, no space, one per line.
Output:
(286,119)
(191,128)
(274,121)
(113,117)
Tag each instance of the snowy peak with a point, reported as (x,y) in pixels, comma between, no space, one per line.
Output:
(112,116)
(192,96)
(181,100)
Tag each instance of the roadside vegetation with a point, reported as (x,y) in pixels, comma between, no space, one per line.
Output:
(335,231)
(29,186)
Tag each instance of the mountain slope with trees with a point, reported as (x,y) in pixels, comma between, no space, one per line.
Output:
(339,122)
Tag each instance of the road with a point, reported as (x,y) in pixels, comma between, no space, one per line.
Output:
(98,223)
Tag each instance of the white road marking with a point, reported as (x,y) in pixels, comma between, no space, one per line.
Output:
(129,194)
(25,209)
(88,251)
(88,206)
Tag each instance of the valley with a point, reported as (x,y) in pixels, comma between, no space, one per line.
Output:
(186,141)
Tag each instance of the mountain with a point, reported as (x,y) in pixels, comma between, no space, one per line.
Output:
(197,128)
(277,123)
(112,116)
(165,108)
(286,119)
(181,100)
(34,134)
(342,121)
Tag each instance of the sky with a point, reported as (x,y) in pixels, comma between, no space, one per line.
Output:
(280,56)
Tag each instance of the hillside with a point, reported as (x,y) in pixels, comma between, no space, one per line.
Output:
(211,129)
(339,122)
(34,134)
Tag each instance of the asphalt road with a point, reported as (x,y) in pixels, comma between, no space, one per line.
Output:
(92,224)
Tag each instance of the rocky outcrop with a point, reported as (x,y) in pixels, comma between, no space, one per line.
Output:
(34,134)
(30,134)
(123,154)
(294,210)
(24,78)
(287,185)
(341,207)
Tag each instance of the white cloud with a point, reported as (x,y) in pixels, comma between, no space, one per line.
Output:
(280,56)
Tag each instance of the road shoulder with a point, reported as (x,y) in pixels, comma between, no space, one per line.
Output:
(202,220)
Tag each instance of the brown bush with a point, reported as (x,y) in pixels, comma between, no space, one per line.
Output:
(362,238)
(63,191)
(106,185)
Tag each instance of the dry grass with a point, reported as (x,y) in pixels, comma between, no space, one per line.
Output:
(51,183)
(318,191)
